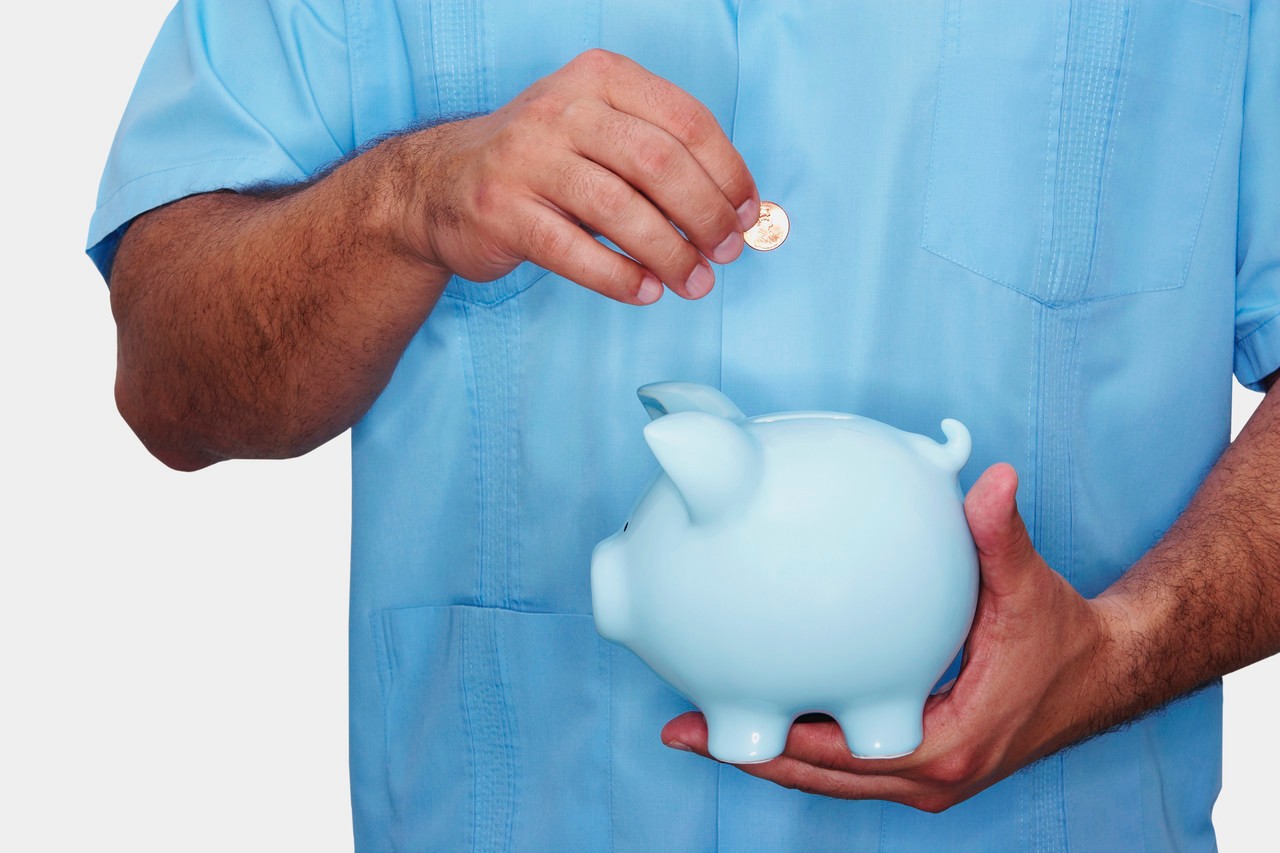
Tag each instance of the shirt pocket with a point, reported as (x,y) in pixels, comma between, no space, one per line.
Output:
(491,293)
(492,718)
(1074,142)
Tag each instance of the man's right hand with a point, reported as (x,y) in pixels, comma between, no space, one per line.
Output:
(599,146)
(263,325)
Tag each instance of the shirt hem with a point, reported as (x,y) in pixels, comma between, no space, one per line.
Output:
(149,191)
(1257,354)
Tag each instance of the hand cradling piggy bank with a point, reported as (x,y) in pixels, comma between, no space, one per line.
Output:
(789,564)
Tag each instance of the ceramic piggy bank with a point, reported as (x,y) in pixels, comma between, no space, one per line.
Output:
(792,563)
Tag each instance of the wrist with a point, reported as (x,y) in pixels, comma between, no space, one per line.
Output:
(1118,617)
(1119,661)
(411,193)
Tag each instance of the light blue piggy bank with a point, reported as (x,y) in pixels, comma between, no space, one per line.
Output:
(792,563)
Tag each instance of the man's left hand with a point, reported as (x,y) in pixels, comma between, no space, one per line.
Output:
(1037,676)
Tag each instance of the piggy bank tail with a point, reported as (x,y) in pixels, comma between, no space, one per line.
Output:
(952,455)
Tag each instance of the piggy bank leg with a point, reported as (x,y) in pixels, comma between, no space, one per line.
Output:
(746,735)
(883,729)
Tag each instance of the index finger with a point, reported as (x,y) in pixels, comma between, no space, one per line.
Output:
(630,88)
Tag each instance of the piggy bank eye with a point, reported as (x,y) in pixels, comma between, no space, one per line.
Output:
(625,526)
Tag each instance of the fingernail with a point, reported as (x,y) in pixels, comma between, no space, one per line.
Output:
(650,290)
(700,281)
(728,250)
(675,744)
(748,213)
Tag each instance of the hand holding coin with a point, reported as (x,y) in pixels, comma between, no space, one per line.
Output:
(599,147)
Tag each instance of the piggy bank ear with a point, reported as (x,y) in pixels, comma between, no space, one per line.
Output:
(668,398)
(714,463)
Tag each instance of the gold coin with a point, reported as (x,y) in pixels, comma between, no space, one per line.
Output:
(770,230)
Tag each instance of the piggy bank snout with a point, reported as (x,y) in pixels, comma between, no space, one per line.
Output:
(608,590)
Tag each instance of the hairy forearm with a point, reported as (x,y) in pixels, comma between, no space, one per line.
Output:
(1206,599)
(262,326)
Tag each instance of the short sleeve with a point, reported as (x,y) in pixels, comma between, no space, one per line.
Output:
(232,94)
(1257,353)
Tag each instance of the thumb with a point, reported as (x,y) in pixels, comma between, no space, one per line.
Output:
(1005,552)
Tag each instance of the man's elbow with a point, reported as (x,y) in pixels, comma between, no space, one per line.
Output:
(180,460)
(161,435)
(189,440)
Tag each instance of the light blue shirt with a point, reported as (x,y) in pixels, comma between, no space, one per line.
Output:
(1058,222)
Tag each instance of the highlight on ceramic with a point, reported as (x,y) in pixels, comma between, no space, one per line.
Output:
(792,563)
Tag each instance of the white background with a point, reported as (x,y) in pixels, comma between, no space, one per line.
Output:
(173,647)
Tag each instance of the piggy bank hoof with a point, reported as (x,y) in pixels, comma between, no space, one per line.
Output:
(889,730)
(746,736)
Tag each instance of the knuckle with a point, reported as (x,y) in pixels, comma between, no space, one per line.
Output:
(556,242)
(618,127)
(575,111)
(692,121)
(679,255)
(667,254)
(595,60)
(658,159)
(737,188)
(578,180)
(611,199)
(715,219)
(542,238)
